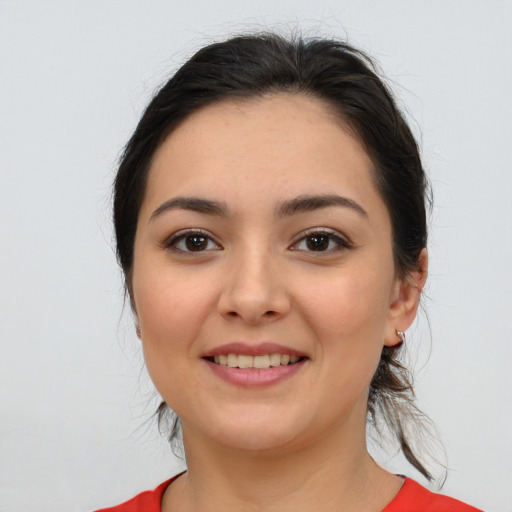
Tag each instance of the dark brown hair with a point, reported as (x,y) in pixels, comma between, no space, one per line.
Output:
(345,80)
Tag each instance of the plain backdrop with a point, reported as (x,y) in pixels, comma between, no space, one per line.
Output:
(75,400)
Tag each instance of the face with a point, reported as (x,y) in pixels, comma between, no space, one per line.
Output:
(263,279)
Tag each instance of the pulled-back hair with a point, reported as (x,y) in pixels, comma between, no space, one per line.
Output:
(346,81)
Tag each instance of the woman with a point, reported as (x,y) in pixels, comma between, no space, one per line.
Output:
(271,225)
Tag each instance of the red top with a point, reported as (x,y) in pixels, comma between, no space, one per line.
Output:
(412,497)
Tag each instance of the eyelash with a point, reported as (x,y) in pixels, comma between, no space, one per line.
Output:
(341,242)
(181,236)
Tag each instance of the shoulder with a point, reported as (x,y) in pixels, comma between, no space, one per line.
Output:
(415,497)
(148,501)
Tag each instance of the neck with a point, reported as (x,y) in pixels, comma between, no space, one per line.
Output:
(334,474)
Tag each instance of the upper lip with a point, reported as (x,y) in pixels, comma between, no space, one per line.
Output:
(252,349)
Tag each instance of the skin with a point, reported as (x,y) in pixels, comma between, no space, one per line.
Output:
(299,444)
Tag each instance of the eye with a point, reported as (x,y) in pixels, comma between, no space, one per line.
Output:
(321,240)
(192,241)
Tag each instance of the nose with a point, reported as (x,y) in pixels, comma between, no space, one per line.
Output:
(254,290)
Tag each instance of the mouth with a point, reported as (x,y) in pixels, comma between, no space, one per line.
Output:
(260,362)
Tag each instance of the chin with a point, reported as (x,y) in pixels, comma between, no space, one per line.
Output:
(256,433)
(257,442)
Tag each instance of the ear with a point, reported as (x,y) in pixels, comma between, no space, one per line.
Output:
(137,324)
(129,291)
(405,299)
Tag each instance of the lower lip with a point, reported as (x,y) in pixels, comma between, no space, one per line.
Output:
(255,377)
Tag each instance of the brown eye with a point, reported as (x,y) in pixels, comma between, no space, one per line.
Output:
(191,241)
(318,242)
(321,241)
(196,242)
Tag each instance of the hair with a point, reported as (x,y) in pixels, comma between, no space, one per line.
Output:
(347,82)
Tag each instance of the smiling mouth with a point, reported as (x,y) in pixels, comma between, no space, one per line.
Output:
(260,362)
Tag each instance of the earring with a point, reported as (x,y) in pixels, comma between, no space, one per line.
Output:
(401,335)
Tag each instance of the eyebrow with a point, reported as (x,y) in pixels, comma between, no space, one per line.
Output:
(195,204)
(301,204)
(307,203)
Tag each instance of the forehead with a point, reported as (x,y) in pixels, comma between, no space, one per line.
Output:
(277,144)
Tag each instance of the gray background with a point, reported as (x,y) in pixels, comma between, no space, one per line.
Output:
(74,77)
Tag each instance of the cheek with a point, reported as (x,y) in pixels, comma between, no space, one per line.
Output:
(349,304)
(348,315)
(170,310)
(169,314)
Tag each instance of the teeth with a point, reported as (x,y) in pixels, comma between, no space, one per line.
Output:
(275,360)
(245,361)
(261,362)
